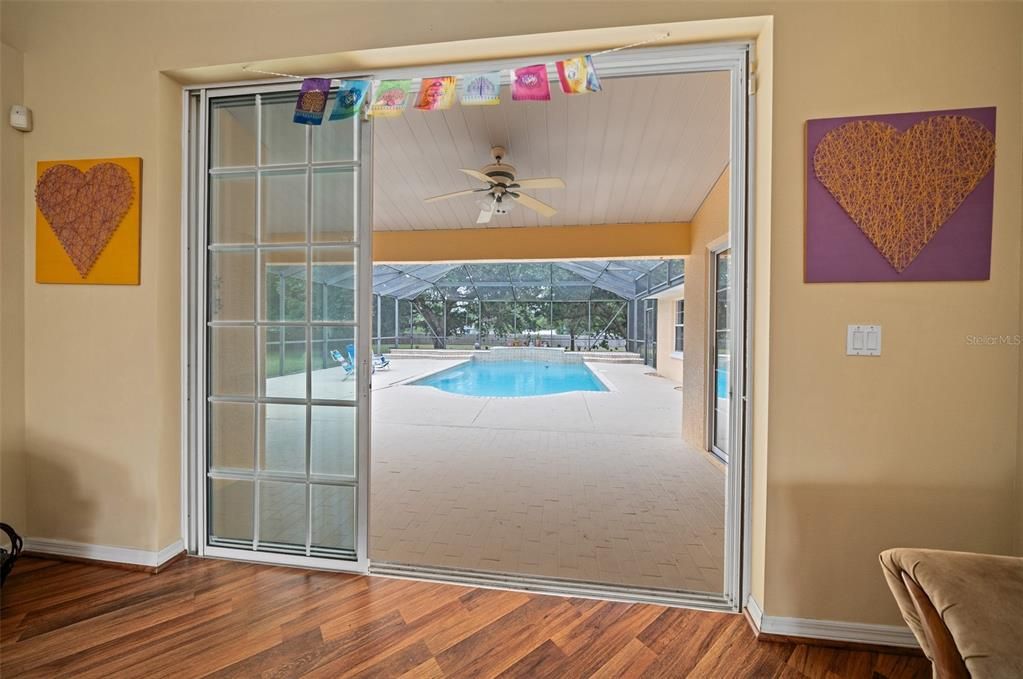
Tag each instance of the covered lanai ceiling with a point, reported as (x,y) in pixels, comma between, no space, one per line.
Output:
(646,149)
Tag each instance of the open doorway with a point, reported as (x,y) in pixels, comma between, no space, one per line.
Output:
(521,436)
(477,466)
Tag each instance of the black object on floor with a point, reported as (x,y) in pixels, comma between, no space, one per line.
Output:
(7,558)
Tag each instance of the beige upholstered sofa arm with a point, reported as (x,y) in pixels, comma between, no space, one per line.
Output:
(966,610)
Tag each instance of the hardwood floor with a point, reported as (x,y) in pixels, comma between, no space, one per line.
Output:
(224,619)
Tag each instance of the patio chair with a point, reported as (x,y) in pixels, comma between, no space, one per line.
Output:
(349,366)
(380,362)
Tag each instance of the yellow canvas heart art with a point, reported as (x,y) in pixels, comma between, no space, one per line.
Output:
(87,221)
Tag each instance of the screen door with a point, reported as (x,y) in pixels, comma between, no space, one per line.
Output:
(287,350)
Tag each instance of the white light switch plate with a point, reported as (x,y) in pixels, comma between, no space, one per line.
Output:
(863,340)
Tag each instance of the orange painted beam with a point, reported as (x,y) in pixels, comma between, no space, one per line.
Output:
(610,241)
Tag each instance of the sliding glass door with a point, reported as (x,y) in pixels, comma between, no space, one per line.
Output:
(720,393)
(278,287)
(650,330)
(287,319)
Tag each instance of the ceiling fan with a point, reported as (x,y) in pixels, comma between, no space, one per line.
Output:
(502,186)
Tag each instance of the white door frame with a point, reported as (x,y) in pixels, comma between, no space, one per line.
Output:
(733,57)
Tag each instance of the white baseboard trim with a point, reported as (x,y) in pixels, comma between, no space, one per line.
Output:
(755,612)
(125,555)
(831,630)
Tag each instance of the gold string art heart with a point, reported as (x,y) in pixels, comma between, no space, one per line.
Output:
(901,187)
(84,209)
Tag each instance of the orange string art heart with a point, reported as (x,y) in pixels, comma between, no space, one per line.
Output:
(901,187)
(84,209)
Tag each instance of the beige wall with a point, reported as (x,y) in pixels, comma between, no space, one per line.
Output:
(709,225)
(1019,438)
(668,365)
(917,447)
(12,298)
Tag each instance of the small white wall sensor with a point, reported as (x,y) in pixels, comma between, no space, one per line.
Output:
(21,118)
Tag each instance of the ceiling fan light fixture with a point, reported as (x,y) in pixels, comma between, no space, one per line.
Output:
(503,190)
(498,206)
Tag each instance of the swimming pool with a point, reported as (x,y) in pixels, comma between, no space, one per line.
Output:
(513,378)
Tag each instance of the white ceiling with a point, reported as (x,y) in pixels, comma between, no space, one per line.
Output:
(644,150)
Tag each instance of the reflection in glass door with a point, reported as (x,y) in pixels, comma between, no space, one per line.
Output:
(721,347)
(287,345)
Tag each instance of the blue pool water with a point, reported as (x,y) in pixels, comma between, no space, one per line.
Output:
(513,378)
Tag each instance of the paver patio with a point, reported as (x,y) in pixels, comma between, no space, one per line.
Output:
(594,486)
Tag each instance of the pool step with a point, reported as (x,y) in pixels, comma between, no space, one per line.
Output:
(611,357)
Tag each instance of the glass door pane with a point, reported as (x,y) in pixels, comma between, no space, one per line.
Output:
(650,332)
(721,341)
(287,334)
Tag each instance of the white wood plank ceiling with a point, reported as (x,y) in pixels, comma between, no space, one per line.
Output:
(644,150)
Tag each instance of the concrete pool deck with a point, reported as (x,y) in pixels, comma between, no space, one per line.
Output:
(594,486)
(582,485)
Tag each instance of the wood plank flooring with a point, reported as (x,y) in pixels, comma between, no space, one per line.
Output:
(214,618)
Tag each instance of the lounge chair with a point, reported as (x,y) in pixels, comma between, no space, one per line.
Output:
(348,365)
(380,362)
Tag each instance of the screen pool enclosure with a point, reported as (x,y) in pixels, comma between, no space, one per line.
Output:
(588,305)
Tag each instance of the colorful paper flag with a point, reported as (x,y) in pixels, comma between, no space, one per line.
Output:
(348,99)
(481,89)
(436,94)
(389,97)
(578,75)
(529,83)
(312,101)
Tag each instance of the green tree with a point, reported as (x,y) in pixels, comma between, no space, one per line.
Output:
(572,319)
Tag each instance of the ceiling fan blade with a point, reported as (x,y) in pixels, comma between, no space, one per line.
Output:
(540,183)
(434,199)
(477,175)
(486,214)
(533,204)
